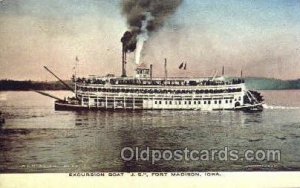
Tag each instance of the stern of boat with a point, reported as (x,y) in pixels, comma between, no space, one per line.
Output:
(253,102)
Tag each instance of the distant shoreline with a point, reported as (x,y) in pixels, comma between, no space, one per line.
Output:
(14,85)
(258,83)
(255,83)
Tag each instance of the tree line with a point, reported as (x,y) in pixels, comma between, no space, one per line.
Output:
(13,85)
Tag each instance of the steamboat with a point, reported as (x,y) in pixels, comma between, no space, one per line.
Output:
(145,92)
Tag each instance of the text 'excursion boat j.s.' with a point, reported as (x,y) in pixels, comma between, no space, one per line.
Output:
(144,92)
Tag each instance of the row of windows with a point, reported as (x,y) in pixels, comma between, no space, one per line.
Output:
(170,102)
(190,102)
(157,91)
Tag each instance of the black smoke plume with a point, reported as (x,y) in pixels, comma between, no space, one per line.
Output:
(129,41)
(135,12)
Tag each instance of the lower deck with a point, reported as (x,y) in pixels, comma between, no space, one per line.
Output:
(161,103)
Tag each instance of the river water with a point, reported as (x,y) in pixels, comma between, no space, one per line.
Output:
(35,138)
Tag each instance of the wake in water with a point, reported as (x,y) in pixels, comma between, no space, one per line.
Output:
(280,107)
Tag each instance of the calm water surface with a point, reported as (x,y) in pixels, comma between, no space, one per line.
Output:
(35,138)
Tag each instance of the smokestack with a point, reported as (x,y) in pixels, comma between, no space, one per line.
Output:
(151,69)
(123,61)
(166,71)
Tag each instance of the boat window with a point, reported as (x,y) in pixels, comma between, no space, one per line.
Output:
(216,102)
(208,102)
(159,102)
(170,102)
(195,102)
(199,102)
(155,102)
(204,102)
(226,101)
(220,101)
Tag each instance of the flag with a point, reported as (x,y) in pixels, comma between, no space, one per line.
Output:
(184,66)
(180,66)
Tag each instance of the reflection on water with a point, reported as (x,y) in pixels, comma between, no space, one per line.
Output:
(35,138)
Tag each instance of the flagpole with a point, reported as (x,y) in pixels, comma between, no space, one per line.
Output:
(75,75)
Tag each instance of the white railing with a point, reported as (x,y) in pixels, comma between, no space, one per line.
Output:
(168,87)
(104,94)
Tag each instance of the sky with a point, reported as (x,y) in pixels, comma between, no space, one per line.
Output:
(260,37)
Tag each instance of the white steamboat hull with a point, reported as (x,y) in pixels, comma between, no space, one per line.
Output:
(63,105)
(140,96)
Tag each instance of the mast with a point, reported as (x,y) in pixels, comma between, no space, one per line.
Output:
(151,71)
(61,81)
(75,75)
(166,70)
(223,71)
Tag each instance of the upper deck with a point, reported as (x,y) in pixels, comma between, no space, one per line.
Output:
(176,82)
